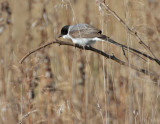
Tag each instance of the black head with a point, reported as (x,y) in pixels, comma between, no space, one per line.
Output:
(64,31)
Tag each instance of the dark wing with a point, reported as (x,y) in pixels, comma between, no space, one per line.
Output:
(84,31)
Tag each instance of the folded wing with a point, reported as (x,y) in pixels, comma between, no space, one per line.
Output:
(84,31)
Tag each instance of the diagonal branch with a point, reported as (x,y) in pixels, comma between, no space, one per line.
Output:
(112,57)
(134,33)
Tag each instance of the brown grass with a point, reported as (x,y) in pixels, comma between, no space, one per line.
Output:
(61,84)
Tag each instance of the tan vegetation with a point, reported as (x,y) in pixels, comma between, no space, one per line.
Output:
(62,84)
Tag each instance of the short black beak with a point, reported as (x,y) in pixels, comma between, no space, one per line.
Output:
(60,35)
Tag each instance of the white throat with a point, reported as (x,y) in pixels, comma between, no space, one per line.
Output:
(66,36)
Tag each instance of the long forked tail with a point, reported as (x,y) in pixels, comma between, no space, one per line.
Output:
(107,39)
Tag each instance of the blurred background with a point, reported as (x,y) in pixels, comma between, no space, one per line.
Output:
(64,85)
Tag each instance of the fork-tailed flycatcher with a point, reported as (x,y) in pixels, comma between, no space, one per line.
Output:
(85,34)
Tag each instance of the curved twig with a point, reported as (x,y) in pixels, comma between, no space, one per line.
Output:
(112,57)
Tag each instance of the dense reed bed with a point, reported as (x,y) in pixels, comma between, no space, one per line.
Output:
(66,85)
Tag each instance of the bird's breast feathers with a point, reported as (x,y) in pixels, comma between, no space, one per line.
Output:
(85,41)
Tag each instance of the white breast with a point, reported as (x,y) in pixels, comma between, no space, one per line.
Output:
(83,41)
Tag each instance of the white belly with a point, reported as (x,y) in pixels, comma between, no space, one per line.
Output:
(83,41)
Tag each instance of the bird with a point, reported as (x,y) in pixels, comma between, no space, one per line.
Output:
(82,34)
(86,35)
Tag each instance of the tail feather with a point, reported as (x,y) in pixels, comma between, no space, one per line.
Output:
(107,39)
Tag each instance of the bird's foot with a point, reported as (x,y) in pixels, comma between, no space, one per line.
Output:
(89,46)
